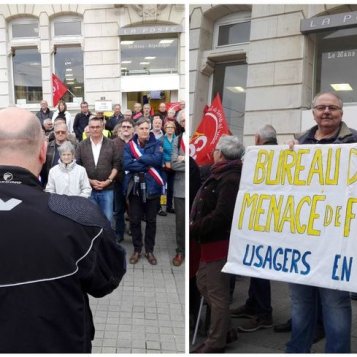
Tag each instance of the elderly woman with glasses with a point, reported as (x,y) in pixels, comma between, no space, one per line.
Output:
(210,224)
(68,178)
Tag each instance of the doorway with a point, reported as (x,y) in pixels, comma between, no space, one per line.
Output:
(154,98)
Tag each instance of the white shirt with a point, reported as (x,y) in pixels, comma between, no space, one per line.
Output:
(96,150)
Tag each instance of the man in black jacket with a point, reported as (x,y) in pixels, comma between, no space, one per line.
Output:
(81,121)
(115,118)
(54,250)
(44,112)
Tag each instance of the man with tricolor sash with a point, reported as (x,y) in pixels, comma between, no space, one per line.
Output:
(143,187)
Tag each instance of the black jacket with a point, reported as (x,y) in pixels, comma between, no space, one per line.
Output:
(54,250)
(113,121)
(212,211)
(345,135)
(80,122)
(44,115)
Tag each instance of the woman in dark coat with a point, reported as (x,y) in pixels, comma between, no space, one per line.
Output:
(210,225)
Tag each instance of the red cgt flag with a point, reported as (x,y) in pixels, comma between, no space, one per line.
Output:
(173,105)
(212,126)
(58,89)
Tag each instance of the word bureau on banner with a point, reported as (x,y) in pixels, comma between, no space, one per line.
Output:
(295,216)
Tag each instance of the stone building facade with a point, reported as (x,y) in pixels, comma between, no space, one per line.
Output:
(280,56)
(96,34)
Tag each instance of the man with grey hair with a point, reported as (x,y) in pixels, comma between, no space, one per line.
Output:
(210,223)
(143,187)
(147,111)
(336,304)
(115,118)
(52,156)
(128,114)
(44,112)
(266,135)
(54,250)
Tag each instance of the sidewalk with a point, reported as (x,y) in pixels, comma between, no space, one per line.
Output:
(145,314)
(266,340)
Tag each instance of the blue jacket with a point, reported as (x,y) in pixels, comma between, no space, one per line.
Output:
(151,157)
(167,147)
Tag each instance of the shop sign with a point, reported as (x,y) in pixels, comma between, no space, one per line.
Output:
(149,30)
(329,22)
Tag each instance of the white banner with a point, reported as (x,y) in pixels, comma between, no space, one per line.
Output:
(295,216)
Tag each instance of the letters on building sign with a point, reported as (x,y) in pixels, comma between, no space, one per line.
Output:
(341,54)
(328,22)
(145,30)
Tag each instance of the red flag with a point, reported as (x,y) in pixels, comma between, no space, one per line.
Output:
(58,89)
(173,105)
(212,126)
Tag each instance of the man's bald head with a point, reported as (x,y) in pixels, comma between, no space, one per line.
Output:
(21,137)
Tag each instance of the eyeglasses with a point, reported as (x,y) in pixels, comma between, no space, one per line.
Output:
(60,132)
(170,127)
(331,108)
(126,127)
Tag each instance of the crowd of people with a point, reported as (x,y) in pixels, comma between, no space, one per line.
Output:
(124,163)
(315,312)
(104,169)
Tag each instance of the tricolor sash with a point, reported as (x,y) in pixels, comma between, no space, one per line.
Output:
(151,171)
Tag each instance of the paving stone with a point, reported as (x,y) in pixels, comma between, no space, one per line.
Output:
(153,345)
(170,346)
(138,316)
(109,350)
(122,350)
(153,337)
(125,327)
(123,343)
(109,342)
(138,350)
(110,334)
(135,343)
(96,349)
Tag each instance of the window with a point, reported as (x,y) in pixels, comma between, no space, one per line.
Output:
(337,62)
(24,28)
(67,26)
(230,82)
(149,56)
(27,75)
(233,33)
(69,68)
(233,29)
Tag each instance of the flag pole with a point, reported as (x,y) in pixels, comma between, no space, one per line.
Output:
(72,93)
